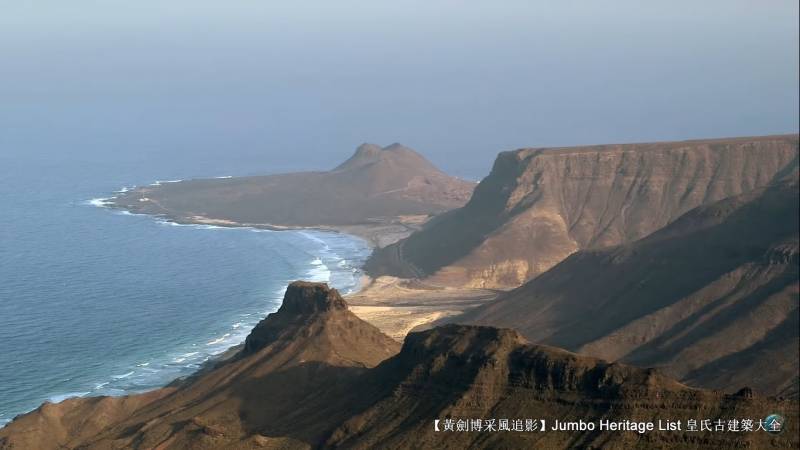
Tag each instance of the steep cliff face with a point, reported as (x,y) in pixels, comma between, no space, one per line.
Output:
(712,299)
(303,305)
(305,380)
(538,206)
(312,348)
(462,373)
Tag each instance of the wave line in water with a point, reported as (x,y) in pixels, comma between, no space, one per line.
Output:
(326,262)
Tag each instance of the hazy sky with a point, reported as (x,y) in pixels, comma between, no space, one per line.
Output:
(299,84)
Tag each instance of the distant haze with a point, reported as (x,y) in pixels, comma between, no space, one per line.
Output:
(300,85)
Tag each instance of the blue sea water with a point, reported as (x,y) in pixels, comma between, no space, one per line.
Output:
(98,302)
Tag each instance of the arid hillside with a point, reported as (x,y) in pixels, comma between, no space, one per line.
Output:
(312,348)
(712,299)
(376,185)
(311,376)
(540,205)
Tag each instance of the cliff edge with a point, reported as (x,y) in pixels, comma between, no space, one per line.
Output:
(540,205)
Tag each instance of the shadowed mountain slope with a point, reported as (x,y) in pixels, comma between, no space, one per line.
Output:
(540,205)
(375,185)
(466,372)
(711,299)
(310,349)
(303,380)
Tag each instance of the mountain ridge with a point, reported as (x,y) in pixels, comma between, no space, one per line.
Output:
(287,391)
(312,344)
(700,298)
(539,205)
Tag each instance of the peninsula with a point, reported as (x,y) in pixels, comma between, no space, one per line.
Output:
(381,194)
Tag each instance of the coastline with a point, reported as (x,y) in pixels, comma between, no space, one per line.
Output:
(331,260)
(378,234)
(395,305)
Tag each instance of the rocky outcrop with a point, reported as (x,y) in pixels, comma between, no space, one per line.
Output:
(311,349)
(307,381)
(458,374)
(539,206)
(711,299)
(375,186)
(303,303)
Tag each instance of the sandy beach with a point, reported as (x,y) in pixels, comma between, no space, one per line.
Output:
(395,305)
(380,233)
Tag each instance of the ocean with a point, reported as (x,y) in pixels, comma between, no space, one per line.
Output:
(95,301)
(96,96)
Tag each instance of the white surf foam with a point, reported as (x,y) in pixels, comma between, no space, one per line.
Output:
(219,340)
(174,224)
(124,375)
(100,202)
(61,397)
(319,272)
(186,357)
(197,226)
(311,236)
(213,227)
(324,265)
(160,182)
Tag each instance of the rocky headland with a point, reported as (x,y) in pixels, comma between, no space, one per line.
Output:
(379,193)
(540,205)
(313,375)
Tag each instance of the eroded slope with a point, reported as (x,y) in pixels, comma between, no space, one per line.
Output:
(538,206)
(712,298)
(304,379)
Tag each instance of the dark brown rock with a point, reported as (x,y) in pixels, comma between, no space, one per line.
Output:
(302,303)
(711,299)
(268,400)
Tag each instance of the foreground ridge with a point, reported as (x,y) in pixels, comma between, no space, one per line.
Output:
(313,375)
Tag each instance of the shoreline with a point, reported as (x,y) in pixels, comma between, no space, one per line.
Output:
(395,305)
(327,252)
(377,234)
(325,257)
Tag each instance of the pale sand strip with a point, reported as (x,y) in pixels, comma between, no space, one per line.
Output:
(397,306)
